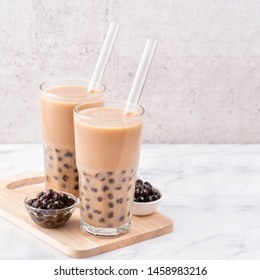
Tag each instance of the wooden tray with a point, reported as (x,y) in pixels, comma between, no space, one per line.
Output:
(69,239)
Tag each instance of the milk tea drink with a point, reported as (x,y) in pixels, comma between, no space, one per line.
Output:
(107,155)
(57,100)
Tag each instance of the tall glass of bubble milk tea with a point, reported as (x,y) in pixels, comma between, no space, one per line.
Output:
(57,99)
(107,155)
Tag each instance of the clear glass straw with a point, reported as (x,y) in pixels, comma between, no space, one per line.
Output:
(141,74)
(104,55)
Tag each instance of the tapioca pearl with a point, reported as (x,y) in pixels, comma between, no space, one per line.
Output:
(121,218)
(40,220)
(87,206)
(118,188)
(60,159)
(96,211)
(110,196)
(124,179)
(68,154)
(110,215)
(55,178)
(76,186)
(111,181)
(101,220)
(65,178)
(39,214)
(105,188)
(60,220)
(67,216)
(77,178)
(57,151)
(101,177)
(110,205)
(87,179)
(123,172)
(87,199)
(59,170)
(66,165)
(93,189)
(49,223)
(109,173)
(119,200)
(90,216)
(64,186)
(99,198)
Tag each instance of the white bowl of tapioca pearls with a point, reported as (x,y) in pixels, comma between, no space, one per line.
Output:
(147,198)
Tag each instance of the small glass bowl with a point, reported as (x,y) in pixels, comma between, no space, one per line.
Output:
(50,218)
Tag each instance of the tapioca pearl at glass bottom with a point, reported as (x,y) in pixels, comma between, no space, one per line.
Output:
(88,181)
(61,171)
(110,219)
(92,204)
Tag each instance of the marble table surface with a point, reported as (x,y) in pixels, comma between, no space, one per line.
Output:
(212,192)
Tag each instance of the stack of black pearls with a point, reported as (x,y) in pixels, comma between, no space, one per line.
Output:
(51,200)
(145,192)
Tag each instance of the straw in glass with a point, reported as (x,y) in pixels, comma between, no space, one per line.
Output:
(104,55)
(141,74)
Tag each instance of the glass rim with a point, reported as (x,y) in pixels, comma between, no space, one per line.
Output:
(76,112)
(61,82)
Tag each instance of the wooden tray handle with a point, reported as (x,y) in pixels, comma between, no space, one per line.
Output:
(24,182)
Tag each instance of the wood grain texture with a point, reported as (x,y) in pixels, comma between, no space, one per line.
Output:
(69,239)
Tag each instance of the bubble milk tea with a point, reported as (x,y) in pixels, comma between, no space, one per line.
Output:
(57,100)
(107,154)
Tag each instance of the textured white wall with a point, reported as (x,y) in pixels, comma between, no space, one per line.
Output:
(204,84)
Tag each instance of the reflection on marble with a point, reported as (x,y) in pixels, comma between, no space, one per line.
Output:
(212,192)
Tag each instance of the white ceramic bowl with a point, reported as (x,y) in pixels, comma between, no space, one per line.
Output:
(147,208)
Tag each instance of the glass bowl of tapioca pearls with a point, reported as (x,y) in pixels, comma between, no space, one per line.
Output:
(57,100)
(50,209)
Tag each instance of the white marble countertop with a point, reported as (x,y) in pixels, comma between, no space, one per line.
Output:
(212,192)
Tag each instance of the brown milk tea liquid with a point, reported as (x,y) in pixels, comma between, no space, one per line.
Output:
(58,135)
(107,151)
